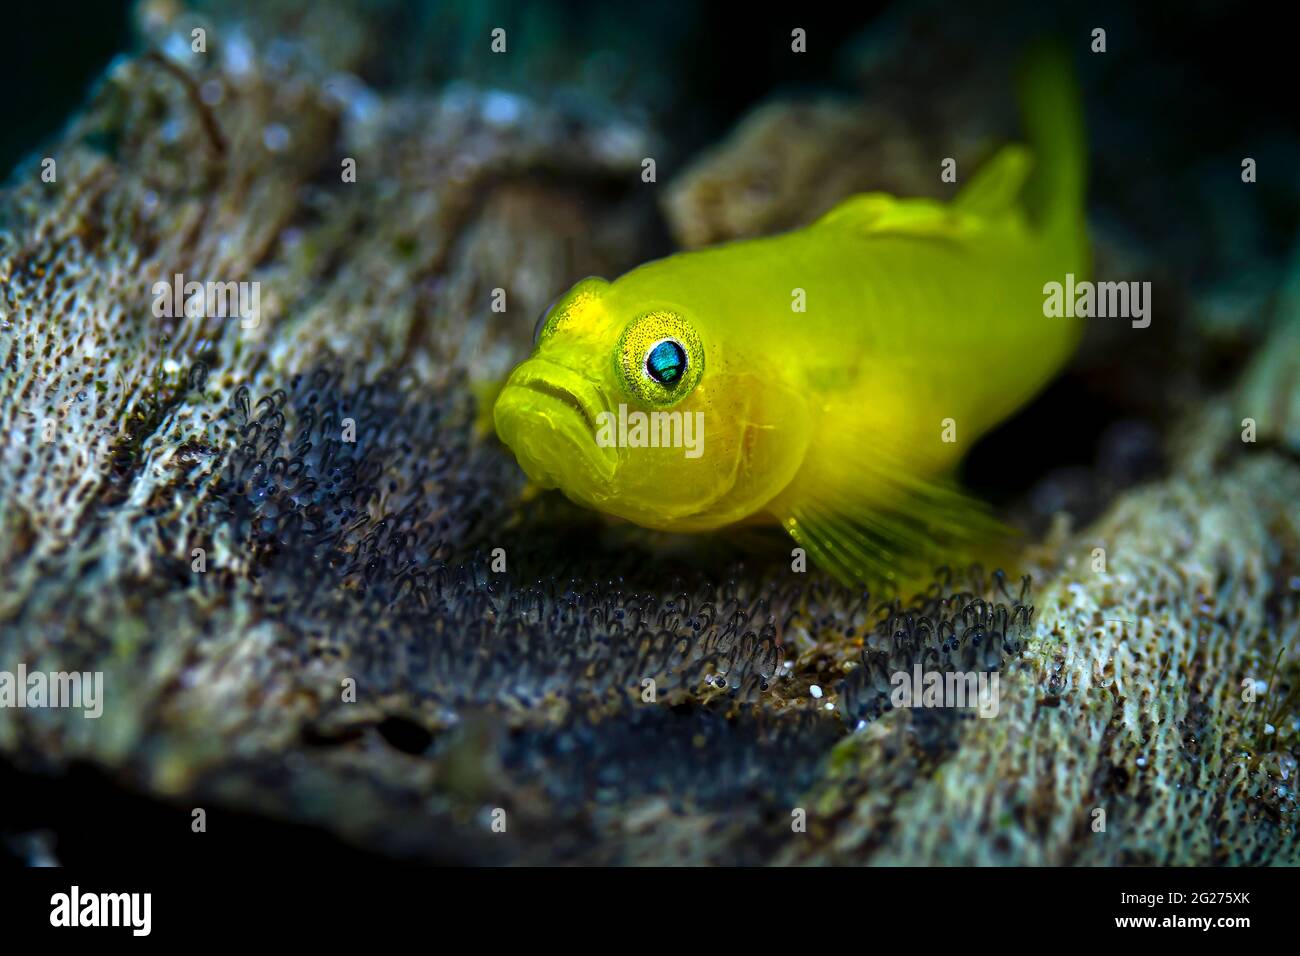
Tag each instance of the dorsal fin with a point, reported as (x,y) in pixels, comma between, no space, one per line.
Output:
(996,186)
(993,192)
(881,213)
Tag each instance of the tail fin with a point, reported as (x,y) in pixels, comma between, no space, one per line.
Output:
(1052,114)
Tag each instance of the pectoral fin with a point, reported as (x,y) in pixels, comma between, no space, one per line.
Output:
(894,528)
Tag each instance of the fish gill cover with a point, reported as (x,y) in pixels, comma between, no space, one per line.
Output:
(319,593)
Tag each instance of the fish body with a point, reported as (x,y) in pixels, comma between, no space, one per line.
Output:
(831,377)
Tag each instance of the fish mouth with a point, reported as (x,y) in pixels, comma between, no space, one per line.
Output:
(564,397)
(546,412)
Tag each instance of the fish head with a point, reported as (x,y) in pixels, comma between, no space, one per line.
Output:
(635,409)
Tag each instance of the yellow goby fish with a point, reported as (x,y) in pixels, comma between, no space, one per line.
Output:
(830,378)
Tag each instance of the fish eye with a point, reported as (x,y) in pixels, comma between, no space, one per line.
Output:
(660,358)
(666,362)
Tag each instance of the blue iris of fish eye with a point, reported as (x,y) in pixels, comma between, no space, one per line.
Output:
(666,362)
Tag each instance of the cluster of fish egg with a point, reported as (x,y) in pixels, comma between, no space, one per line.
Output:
(312,483)
(469,637)
(967,627)
(385,504)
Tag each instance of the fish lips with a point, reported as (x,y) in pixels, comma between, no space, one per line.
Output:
(546,413)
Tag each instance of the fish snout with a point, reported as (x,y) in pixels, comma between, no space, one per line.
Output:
(566,387)
(544,414)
